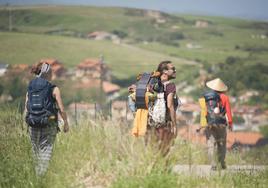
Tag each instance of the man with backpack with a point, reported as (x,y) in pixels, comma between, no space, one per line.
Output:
(217,116)
(156,103)
(42,105)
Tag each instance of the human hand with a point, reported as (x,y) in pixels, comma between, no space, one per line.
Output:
(66,128)
(174,130)
(230,127)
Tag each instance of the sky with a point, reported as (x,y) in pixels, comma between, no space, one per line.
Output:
(247,9)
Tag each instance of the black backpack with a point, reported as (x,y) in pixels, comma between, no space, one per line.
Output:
(213,101)
(41,106)
(145,81)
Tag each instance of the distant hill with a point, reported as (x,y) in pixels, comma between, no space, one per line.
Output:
(214,44)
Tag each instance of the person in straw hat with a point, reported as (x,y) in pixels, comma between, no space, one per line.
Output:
(218,117)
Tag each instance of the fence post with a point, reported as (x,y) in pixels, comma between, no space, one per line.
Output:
(126,109)
(95,111)
(111,110)
(75,112)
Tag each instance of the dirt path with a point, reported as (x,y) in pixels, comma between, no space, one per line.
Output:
(205,170)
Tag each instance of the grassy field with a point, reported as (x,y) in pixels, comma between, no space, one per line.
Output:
(124,60)
(223,38)
(104,154)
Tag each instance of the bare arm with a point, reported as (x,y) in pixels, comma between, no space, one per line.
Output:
(57,96)
(172,112)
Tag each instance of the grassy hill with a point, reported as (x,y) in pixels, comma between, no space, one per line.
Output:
(124,60)
(147,38)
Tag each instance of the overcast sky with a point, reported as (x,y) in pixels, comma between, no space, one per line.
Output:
(248,9)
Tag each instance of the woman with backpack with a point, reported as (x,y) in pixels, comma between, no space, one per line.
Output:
(218,117)
(42,105)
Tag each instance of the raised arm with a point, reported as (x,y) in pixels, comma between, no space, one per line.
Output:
(57,96)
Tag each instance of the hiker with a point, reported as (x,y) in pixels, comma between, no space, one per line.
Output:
(217,117)
(153,101)
(168,131)
(42,106)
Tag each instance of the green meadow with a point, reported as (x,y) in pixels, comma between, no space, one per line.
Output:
(103,153)
(124,60)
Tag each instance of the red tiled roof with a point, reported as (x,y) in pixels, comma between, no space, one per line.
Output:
(57,67)
(244,138)
(50,61)
(110,87)
(89,63)
(21,66)
(97,33)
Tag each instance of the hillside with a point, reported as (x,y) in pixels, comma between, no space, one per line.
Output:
(216,44)
(124,60)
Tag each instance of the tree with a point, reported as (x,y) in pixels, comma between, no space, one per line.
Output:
(264,131)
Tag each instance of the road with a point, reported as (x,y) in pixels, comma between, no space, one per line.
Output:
(205,170)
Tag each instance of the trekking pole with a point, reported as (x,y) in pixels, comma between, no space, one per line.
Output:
(75,111)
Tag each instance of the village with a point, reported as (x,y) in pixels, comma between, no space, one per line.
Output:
(94,74)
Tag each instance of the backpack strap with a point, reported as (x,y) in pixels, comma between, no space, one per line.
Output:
(165,85)
(141,89)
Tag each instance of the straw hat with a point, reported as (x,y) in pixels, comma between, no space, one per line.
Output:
(217,85)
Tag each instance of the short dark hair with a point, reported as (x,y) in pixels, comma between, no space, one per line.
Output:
(163,66)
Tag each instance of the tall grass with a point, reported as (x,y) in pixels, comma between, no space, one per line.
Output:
(104,154)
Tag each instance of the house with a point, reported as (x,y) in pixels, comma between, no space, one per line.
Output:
(247,95)
(58,70)
(247,113)
(157,15)
(111,90)
(92,69)
(193,46)
(103,35)
(3,69)
(189,112)
(201,24)
(20,68)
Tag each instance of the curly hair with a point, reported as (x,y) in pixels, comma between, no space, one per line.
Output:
(163,66)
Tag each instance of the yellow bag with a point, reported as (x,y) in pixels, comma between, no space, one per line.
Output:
(203,119)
